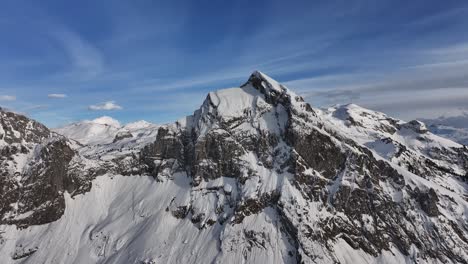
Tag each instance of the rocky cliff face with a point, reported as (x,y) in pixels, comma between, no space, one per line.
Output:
(37,167)
(258,175)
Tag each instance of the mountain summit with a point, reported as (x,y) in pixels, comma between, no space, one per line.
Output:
(255,175)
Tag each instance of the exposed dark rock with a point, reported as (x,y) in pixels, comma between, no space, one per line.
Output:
(319,152)
(428,201)
(17,127)
(41,190)
(168,146)
(122,135)
(180,212)
(24,253)
(255,205)
(416,126)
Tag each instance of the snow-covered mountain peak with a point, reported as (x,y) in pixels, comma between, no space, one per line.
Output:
(273,90)
(417,126)
(107,120)
(101,130)
(233,101)
(268,81)
(259,104)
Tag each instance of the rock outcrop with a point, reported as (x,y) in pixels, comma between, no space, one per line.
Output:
(37,167)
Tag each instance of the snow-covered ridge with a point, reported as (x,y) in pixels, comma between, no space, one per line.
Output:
(365,124)
(408,144)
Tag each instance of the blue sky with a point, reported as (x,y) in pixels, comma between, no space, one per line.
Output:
(63,61)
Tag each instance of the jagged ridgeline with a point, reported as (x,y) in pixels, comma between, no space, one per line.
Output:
(256,175)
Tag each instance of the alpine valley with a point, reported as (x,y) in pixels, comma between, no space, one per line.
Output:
(255,175)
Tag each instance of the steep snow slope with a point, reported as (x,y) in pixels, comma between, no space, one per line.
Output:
(258,176)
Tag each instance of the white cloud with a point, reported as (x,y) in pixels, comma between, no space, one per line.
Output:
(57,96)
(109,105)
(7,98)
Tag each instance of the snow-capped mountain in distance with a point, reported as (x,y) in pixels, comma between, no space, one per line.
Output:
(459,135)
(102,130)
(453,127)
(255,175)
(106,120)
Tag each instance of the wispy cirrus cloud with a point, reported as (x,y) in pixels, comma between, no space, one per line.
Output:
(35,107)
(105,106)
(86,60)
(56,96)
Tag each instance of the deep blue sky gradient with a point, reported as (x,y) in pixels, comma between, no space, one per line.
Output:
(158,59)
